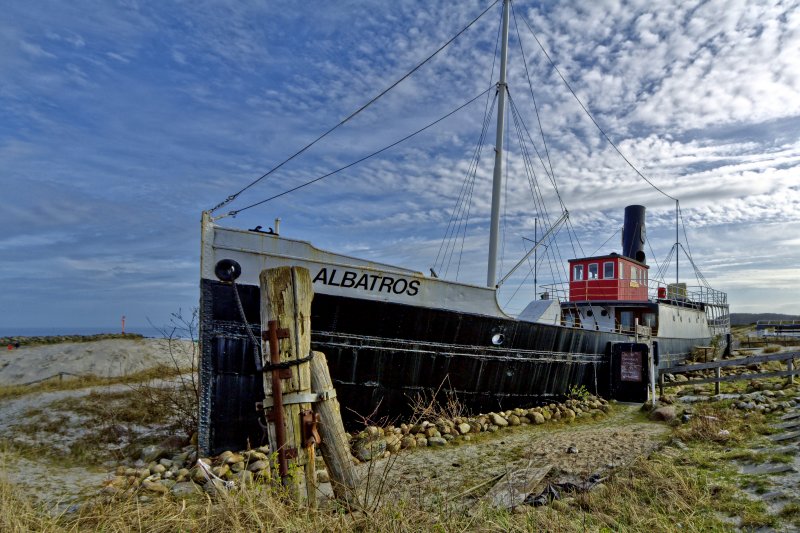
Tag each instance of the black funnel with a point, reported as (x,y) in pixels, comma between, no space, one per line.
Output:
(633,233)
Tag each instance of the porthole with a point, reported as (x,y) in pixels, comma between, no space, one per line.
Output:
(498,338)
(589,313)
(603,313)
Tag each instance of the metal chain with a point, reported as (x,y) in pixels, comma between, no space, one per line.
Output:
(257,355)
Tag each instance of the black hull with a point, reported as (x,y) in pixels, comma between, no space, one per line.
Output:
(382,354)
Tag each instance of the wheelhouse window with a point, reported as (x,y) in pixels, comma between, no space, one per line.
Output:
(634,274)
(577,273)
(608,270)
(592,270)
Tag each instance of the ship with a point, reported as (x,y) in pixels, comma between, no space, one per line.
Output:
(392,334)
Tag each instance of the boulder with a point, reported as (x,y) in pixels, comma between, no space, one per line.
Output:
(182,489)
(464,428)
(665,413)
(498,420)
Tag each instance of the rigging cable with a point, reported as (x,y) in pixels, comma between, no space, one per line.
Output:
(487,118)
(356,112)
(464,200)
(612,236)
(536,191)
(373,154)
(591,117)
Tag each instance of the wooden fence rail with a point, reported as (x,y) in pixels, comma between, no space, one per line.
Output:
(790,371)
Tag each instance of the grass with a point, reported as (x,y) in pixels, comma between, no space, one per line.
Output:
(58,339)
(652,495)
(89,380)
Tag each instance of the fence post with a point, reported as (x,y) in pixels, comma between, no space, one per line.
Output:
(334,445)
(790,368)
(286,294)
(718,372)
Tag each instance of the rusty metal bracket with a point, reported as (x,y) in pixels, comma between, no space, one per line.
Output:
(282,333)
(309,421)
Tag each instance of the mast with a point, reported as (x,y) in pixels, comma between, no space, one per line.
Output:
(677,243)
(497,181)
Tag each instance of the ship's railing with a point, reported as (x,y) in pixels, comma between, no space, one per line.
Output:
(713,301)
(678,293)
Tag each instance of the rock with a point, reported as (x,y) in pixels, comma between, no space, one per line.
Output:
(158,469)
(253,455)
(184,489)
(665,413)
(393,443)
(154,486)
(432,432)
(436,441)
(168,483)
(492,428)
(237,467)
(233,459)
(464,428)
(524,420)
(224,456)
(365,450)
(569,414)
(680,378)
(538,418)
(215,486)
(152,453)
(221,470)
(572,449)
(421,441)
(166,463)
(258,466)
(197,475)
(323,476)
(374,431)
(408,442)
(245,477)
(498,420)
(513,420)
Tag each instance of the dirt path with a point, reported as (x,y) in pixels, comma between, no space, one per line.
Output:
(450,470)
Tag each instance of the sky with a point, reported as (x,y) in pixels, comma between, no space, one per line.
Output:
(121,121)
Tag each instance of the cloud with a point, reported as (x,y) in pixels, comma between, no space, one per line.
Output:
(123,121)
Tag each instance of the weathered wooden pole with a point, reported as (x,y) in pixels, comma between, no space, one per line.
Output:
(334,445)
(286,294)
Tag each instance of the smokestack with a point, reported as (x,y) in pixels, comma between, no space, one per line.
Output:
(634,234)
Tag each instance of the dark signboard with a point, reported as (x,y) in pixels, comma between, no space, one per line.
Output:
(629,372)
(630,366)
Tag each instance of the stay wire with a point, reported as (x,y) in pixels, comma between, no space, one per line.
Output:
(352,115)
(612,236)
(361,160)
(553,251)
(591,117)
(536,191)
(463,203)
(533,98)
(464,200)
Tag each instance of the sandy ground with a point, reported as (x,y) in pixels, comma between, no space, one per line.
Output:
(104,358)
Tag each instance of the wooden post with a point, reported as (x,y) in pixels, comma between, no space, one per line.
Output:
(335,446)
(718,372)
(286,294)
(790,368)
